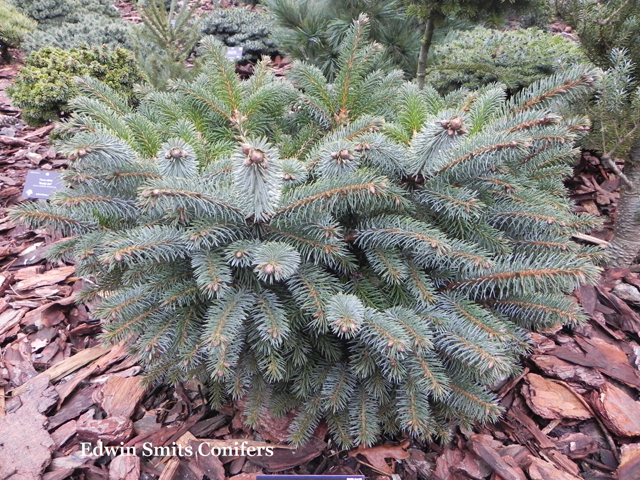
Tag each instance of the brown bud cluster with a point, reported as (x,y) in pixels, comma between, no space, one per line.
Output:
(342,156)
(453,126)
(87,254)
(81,152)
(176,152)
(363,147)
(254,156)
(271,269)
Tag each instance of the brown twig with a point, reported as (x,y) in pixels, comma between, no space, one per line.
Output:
(597,464)
(615,169)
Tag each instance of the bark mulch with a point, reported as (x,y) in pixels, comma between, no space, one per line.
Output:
(573,413)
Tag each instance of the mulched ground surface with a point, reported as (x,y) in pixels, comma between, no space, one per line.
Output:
(572,414)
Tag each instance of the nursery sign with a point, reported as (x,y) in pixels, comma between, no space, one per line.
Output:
(310,477)
(41,184)
(234,53)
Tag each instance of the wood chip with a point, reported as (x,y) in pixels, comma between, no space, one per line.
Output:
(75,406)
(5,280)
(10,318)
(70,462)
(596,358)
(121,396)
(627,292)
(541,470)
(210,464)
(286,459)
(418,464)
(554,367)
(50,277)
(628,318)
(205,427)
(447,462)
(619,412)
(28,272)
(124,467)
(275,429)
(551,400)
(113,355)
(612,353)
(517,415)
(170,469)
(482,446)
(39,133)
(26,446)
(47,315)
(69,365)
(517,452)
(112,430)
(12,141)
(64,433)
(629,462)
(576,445)
(377,456)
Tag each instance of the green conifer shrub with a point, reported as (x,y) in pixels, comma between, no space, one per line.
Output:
(516,58)
(242,27)
(90,30)
(49,12)
(74,23)
(359,251)
(433,14)
(603,27)
(44,85)
(313,30)
(13,28)
(610,35)
(166,39)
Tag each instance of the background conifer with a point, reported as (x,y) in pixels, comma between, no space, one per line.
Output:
(13,28)
(74,23)
(166,39)
(610,35)
(313,30)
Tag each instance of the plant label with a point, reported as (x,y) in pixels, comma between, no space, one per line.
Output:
(310,477)
(41,184)
(234,53)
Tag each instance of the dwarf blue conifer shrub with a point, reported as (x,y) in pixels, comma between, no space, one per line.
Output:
(361,252)
(73,23)
(516,58)
(242,27)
